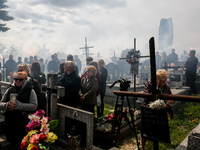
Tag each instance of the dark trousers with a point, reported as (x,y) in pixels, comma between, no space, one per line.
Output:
(100,109)
(190,81)
(88,107)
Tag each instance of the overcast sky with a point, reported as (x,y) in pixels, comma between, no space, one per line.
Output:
(109,25)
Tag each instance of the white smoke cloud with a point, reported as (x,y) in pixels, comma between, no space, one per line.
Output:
(61,26)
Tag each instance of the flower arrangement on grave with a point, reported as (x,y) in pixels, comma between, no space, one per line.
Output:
(158,104)
(104,123)
(132,56)
(40,132)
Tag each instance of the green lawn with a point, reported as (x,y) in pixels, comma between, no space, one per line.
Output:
(184,121)
(180,126)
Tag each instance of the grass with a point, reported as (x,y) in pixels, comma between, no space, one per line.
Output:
(184,121)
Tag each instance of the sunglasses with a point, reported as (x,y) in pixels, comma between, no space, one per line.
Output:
(19,79)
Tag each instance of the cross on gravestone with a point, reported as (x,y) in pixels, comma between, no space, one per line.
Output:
(52,91)
(86,48)
(154,94)
(135,73)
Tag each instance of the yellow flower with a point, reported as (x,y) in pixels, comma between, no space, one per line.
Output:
(30,146)
(51,137)
(32,132)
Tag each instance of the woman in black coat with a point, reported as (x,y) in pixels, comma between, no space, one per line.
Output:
(37,74)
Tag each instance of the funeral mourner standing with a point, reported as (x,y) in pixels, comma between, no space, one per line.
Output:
(72,83)
(18,107)
(190,68)
(162,88)
(104,74)
(88,91)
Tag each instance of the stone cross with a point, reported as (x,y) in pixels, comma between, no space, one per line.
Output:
(87,53)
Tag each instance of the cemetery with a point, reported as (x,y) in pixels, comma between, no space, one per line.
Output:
(79,129)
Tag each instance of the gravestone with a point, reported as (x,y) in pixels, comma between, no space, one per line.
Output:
(194,141)
(66,113)
(154,124)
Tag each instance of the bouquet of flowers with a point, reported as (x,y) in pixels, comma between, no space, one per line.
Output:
(132,56)
(40,135)
(158,104)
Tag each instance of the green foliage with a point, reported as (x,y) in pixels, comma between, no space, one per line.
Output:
(4,16)
(53,124)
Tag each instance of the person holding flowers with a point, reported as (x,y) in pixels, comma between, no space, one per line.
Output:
(17,107)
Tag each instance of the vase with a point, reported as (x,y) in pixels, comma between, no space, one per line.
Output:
(134,67)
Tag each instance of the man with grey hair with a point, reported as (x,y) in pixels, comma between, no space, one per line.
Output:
(72,83)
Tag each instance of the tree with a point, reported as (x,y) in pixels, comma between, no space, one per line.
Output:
(4,16)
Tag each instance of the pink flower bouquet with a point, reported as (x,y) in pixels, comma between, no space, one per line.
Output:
(40,135)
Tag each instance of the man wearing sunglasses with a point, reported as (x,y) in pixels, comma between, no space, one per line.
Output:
(16,108)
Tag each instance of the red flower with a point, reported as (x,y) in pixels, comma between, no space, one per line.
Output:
(34,148)
(109,117)
(43,137)
(24,145)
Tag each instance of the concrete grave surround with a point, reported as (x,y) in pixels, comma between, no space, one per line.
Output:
(76,114)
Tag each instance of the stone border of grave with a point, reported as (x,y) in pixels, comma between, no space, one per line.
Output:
(76,114)
(192,141)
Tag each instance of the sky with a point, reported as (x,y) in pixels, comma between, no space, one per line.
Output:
(44,27)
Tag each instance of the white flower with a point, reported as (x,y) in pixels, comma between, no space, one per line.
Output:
(158,104)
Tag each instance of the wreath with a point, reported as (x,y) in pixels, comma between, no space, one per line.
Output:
(132,56)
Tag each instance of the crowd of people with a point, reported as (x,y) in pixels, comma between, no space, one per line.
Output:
(26,79)
(188,60)
(80,91)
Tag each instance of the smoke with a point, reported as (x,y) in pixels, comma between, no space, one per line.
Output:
(166,34)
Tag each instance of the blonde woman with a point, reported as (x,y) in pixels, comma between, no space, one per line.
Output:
(163,88)
(88,91)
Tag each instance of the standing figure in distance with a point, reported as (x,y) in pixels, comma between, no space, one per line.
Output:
(104,74)
(11,66)
(173,58)
(190,68)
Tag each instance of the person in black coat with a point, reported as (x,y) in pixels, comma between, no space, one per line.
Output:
(72,83)
(104,74)
(37,74)
(53,65)
(190,68)
(24,102)
(172,58)
(11,66)
(34,83)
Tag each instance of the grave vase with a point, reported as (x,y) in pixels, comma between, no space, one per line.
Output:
(134,67)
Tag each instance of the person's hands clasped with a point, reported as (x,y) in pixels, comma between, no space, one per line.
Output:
(82,98)
(11,105)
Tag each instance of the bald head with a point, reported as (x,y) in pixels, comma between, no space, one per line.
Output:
(69,67)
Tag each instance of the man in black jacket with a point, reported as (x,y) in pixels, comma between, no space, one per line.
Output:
(104,74)
(72,83)
(11,66)
(190,68)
